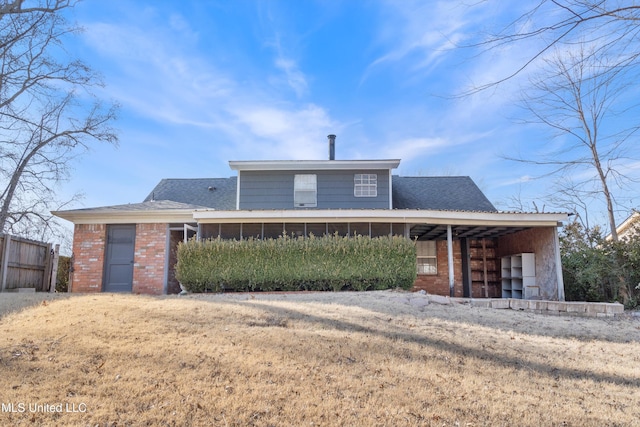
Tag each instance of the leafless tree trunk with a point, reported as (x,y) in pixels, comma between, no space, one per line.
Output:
(45,118)
(577,96)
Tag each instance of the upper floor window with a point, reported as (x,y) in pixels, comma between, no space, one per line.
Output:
(365,185)
(305,191)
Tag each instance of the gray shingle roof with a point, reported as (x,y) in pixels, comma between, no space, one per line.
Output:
(214,193)
(157,205)
(457,193)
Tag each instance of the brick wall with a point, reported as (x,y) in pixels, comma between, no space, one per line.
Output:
(541,242)
(149,259)
(88,253)
(439,284)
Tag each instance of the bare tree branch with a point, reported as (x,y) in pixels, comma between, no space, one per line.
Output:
(44,123)
(575,96)
(612,24)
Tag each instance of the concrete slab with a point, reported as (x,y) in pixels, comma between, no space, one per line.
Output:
(502,303)
(575,307)
(615,308)
(518,304)
(482,303)
(556,306)
(539,305)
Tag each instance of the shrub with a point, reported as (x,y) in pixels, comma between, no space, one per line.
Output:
(288,264)
(62,275)
(598,270)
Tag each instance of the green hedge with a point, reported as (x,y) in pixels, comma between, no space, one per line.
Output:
(290,264)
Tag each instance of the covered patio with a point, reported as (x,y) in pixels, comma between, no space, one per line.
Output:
(462,251)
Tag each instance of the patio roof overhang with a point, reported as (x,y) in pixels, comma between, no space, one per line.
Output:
(425,224)
(109,216)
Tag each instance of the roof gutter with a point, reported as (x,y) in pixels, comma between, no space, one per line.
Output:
(384,215)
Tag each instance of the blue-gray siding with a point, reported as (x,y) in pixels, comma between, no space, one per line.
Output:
(274,190)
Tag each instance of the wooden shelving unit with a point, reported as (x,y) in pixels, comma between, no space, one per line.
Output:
(485,281)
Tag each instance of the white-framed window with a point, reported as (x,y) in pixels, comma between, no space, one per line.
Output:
(365,185)
(427,257)
(305,191)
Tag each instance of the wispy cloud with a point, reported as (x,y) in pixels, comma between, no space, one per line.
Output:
(420,34)
(159,77)
(285,134)
(293,76)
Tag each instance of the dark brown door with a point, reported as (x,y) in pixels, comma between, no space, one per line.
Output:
(118,276)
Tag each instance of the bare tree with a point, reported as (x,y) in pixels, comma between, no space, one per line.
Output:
(48,114)
(612,25)
(578,96)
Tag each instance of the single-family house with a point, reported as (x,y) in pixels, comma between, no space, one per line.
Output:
(628,227)
(465,246)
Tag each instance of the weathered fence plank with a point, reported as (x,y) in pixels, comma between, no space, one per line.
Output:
(4,261)
(26,264)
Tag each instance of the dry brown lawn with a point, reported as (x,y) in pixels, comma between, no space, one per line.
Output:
(353,359)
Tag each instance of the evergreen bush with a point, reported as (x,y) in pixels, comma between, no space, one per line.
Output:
(290,264)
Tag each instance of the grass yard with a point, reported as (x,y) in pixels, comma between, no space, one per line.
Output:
(355,359)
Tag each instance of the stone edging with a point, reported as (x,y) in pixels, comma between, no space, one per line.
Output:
(575,308)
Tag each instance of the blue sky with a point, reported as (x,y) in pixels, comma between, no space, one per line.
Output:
(204,82)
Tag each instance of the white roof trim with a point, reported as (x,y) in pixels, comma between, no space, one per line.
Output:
(106,216)
(509,219)
(288,165)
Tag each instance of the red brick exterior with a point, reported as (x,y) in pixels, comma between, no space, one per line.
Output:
(149,259)
(88,257)
(542,242)
(439,284)
(89,247)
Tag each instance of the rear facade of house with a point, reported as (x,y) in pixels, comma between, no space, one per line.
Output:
(465,247)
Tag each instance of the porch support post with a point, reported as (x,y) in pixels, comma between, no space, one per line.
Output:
(556,244)
(450,260)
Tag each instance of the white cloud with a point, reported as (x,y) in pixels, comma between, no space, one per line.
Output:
(280,133)
(294,77)
(158,78)
(410,148)
(429,30)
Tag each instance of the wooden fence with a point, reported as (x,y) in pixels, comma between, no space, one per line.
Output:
(27,264)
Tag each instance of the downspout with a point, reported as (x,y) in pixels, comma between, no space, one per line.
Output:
(238,192)
(450,260)
(390,190)
(167,254)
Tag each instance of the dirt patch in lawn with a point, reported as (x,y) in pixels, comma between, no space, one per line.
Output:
(376,358)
